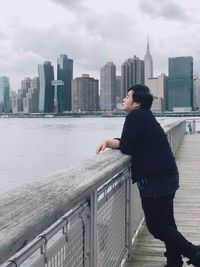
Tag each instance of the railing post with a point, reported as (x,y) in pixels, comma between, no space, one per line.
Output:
(193,126)
(171,141)
(128,218)
(91,233)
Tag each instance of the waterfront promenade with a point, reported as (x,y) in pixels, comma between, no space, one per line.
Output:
(148,252)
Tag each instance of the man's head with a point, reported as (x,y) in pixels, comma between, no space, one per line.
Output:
(138,96)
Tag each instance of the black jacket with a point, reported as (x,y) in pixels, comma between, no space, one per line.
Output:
(144,139)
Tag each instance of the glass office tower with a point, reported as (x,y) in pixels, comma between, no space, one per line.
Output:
(46,96)
(64,73)
(180,83)
(4,94)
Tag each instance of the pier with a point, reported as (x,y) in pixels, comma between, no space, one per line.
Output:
(90,214)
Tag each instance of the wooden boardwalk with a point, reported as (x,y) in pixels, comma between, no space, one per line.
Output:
(148,252)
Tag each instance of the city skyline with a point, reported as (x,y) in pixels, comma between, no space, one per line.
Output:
(165,89)
(95,32)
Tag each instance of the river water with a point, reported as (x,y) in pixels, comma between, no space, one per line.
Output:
(31,148)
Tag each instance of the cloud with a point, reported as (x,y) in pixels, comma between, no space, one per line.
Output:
(97,39)
(70,4)
(166,9)
(110,24)
(2,36)
(91,37)
(113,26)
(88,37)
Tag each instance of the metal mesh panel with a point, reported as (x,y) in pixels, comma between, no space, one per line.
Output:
(65,249)
(32,259)
(136,209)
(111,230)
(74,246)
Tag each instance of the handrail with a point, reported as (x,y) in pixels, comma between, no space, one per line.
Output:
(27,211)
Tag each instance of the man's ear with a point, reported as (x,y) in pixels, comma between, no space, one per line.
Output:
(138,104)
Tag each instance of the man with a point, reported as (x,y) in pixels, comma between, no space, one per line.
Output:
(155,171)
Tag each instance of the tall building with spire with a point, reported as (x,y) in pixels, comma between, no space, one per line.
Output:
(148,64)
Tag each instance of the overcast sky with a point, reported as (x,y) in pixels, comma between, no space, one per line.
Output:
(92,32)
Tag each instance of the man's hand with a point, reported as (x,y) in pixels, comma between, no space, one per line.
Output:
(114,143)
(101,147)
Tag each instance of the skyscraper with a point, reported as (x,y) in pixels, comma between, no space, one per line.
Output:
(118,91)
(119,87)
(31,101)
(85,93)
(4,94)
(132,72)
(158,88)
(108,87)
(180,83)
(35,90)
(26,83)
(196,93)
(64,73)
(46,96)
(148,65)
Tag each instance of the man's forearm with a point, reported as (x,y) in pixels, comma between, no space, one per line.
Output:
(113,143)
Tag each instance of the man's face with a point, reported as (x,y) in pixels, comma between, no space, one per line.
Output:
(128,102)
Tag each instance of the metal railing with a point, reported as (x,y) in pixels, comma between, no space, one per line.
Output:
(195,125)
(175,135)
(103,215)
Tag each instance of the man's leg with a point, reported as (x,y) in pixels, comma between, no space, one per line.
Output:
(173,256)
(157,214)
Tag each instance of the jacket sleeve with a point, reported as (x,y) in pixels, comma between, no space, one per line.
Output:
(130,134)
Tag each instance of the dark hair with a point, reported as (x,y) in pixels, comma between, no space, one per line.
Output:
(142,95)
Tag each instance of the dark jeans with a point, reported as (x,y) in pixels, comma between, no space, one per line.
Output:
(159,215)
